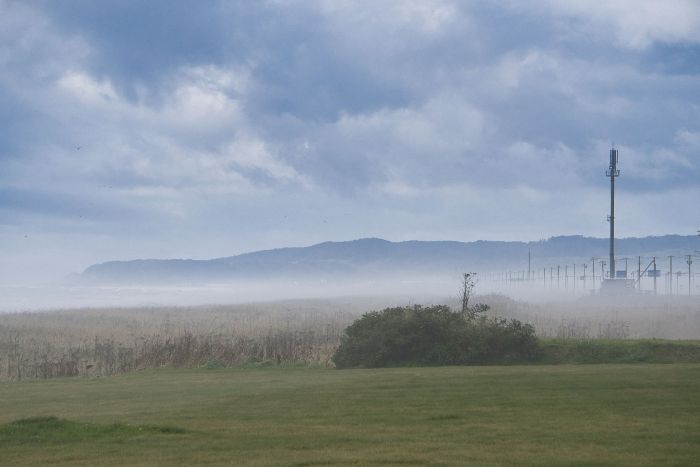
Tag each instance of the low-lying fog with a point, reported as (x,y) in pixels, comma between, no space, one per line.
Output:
(51,297)
(409,290)
(556,310)
(70,330)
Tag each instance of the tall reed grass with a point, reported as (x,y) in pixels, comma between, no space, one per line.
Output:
(97,342)
(107,341)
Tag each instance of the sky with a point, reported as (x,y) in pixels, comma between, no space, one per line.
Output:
(188,129)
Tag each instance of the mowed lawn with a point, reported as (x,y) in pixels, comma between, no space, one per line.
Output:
(569,414)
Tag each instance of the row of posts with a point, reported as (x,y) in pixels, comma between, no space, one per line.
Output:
(565,275)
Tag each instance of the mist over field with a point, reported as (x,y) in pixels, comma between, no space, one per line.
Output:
(541,271)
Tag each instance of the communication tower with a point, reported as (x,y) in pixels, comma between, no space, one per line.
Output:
(614,285)
(613,173)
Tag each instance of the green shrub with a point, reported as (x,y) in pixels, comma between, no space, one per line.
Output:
(213,364)
(433,335)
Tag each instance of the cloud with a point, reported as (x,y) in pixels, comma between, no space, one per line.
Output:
(634,24)
(417,143)
(197,135)
(427,17)
(86,89)
(688,139)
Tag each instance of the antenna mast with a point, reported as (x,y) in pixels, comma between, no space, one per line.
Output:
(613,173)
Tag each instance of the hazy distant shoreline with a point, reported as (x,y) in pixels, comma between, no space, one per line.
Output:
(376,259)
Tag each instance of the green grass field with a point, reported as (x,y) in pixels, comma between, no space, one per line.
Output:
(643,414)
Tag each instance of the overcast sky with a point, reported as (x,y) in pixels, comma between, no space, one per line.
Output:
(203,129)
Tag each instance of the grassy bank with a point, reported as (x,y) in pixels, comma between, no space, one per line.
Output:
(557,415)
(556,351)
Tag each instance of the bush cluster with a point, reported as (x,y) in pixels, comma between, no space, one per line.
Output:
(434,335)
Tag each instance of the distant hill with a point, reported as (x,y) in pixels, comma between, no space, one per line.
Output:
(373,257)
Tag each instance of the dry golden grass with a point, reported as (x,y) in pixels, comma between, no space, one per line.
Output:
(105,341)
(90,342)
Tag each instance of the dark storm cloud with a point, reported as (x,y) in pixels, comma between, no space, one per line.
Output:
(142,43)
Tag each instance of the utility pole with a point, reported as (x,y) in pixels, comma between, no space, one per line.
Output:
(690,262)
(551,277)
(654,260)
(670,275)
(626,270)
(585,265)
(612,172)
(639,272)
(557,276)
(529,258)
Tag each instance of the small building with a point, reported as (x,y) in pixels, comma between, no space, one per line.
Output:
(617,287)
